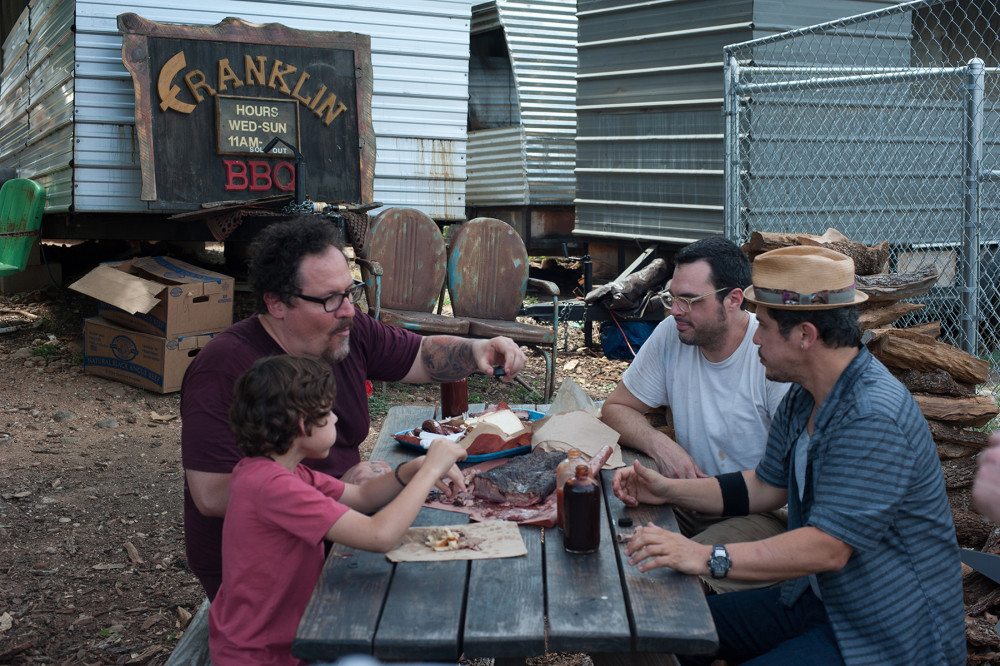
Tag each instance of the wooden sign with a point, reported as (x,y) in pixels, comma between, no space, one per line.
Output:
(210,99)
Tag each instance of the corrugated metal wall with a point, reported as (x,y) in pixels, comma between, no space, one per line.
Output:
(541,42)
(36,98)
(420,66)
(650,138)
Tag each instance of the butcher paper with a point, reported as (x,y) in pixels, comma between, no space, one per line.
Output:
(496,539)
(578,429)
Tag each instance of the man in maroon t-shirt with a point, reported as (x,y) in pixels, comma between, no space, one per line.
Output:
(305,306)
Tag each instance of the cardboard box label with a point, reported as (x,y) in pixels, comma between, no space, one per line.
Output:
(138,359)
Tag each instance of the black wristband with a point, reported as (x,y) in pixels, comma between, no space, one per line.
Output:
(396,473)
(735,497)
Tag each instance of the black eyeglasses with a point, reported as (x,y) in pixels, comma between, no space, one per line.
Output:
(333,302)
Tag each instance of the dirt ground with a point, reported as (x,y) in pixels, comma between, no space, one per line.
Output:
(92,565)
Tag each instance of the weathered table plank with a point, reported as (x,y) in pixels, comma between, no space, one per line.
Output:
(586,605)
(326,632)
(425,600)
(683,626)
(508,618)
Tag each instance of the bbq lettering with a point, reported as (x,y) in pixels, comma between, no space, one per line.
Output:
(257,71)
(258,176)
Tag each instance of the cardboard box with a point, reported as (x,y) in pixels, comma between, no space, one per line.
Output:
(161,296)
(139,359)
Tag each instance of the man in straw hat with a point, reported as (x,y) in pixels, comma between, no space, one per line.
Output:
(870,554)
(702,362)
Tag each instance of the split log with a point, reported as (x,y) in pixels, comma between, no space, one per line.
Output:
(897,286)
(867,260)
(906,350)
(947,451)
(980,633)
(880,314)
(977,410)
(959,473)
(935,381)
(993,543)
(931,329)
(947,433)
(981,594)
(971,529)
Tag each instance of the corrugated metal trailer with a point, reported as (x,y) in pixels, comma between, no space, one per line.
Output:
(650,126)
(522,116)
(67,116)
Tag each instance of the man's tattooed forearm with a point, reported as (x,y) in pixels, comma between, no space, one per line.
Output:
(447,358)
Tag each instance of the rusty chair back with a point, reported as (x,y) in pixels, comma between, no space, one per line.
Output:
(410,250)
(487,281)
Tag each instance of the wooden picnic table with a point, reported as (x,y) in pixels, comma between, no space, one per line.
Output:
(438,611)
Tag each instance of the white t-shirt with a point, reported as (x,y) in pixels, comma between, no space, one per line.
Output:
(722,411)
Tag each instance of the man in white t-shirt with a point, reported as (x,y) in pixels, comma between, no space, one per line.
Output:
(701,362)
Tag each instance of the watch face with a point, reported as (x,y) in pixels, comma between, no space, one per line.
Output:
(719,563)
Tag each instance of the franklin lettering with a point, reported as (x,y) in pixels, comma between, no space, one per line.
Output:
(256,72)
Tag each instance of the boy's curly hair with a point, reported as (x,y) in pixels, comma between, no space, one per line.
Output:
(273,395)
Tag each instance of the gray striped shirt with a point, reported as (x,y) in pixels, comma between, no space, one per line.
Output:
(873,480)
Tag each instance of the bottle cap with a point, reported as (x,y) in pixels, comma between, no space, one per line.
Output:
(624,521)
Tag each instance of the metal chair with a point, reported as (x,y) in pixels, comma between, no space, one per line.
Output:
(412,259)
(22,202)
(487,280)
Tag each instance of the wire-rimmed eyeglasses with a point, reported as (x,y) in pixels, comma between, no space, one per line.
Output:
(683,303)
(333,302)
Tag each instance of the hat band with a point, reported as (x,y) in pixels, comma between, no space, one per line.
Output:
(843,296)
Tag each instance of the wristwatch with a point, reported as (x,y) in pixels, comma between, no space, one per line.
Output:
(718,563)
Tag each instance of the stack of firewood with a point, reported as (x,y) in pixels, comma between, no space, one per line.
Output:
(943,381)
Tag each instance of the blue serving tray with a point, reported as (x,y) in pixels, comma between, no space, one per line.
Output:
(532,416)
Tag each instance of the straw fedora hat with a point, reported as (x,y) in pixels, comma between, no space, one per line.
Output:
(804,277)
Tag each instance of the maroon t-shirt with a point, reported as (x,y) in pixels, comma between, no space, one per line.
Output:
(377,351)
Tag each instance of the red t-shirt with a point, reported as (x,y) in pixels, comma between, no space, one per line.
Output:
(377,351)
(272,546)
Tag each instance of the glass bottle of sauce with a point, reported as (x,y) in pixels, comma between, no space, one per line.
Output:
(564,472)
(582,508)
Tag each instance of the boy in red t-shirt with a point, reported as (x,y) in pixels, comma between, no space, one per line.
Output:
(280,511)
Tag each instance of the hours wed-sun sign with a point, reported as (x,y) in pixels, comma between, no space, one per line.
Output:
(209,99)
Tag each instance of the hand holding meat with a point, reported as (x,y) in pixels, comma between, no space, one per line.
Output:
(502,352)
(986,491)
(640,485)
(441,457)
(652,547)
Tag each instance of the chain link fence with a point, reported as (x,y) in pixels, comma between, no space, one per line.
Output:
(886,127)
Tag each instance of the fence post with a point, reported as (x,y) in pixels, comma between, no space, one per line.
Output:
(975,83)
(731,172)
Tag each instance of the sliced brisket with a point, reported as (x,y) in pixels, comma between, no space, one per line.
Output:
(522,481)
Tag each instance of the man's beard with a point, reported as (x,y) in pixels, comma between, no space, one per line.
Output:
(705,335)
(338,348)
(774,374)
